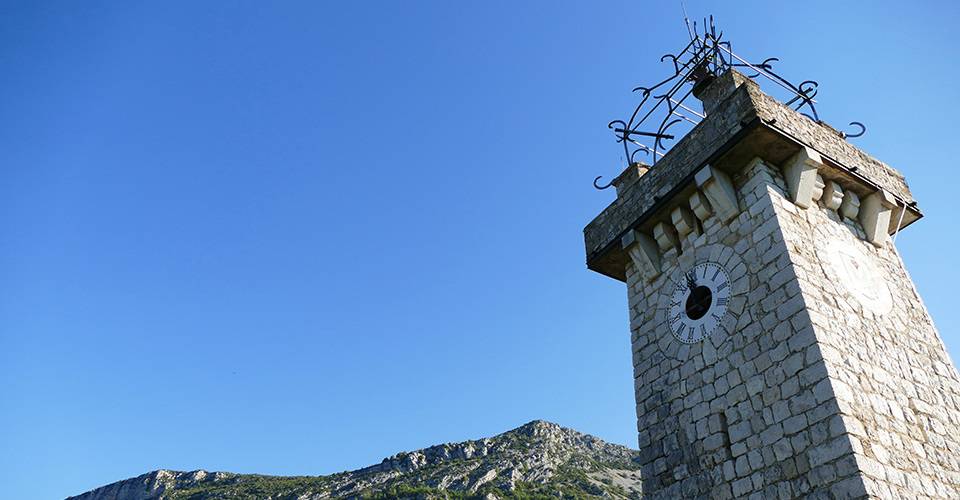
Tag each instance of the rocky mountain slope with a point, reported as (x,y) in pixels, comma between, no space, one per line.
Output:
(537,460)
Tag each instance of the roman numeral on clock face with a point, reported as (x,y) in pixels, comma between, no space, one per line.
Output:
(697,302)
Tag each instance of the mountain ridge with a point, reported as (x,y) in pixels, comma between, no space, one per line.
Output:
(539,459)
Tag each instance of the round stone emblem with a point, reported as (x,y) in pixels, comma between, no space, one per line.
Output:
(848,264)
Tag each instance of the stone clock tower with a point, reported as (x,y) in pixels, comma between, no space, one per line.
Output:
(780,349)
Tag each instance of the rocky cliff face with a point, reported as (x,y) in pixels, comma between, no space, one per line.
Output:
(539,459)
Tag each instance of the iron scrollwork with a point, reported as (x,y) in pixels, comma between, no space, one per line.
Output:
(662,110)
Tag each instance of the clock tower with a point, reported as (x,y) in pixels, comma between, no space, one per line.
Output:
(780,349)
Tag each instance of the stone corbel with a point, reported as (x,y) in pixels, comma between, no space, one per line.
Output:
(719,190)
(800,172)
(701,207)
(684,221)
(666,236)
(832,195)
(875,216)
(850,206)
(644,253)
(818,187)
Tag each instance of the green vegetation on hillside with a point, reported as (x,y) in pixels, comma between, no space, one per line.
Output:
(537,461)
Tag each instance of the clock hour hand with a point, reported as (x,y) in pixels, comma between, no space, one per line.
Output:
(691,280)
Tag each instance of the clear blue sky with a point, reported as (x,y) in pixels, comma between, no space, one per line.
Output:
(298,237)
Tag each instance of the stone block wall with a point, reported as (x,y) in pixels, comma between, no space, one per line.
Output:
(890,374)
(783,400)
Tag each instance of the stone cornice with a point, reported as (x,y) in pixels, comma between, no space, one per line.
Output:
(745,125)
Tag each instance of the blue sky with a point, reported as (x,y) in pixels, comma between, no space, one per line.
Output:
(298,237)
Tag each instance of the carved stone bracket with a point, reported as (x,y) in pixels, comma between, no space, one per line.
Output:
(719,190)
(850,207)
(818,187)
(666,236)
(701,207)
(684,221)
(800,172)
(643,252)
(832,195)
(875,216)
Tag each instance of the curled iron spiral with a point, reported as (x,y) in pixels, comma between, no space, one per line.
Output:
(862,127)
(661,107)
(598,186)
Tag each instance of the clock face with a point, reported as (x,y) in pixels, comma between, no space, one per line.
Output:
(699,302)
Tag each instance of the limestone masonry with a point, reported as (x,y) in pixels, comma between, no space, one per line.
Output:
(780,349)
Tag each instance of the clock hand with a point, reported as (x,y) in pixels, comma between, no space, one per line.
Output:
(691,281)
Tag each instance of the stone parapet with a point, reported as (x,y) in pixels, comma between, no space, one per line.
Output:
(744,124)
